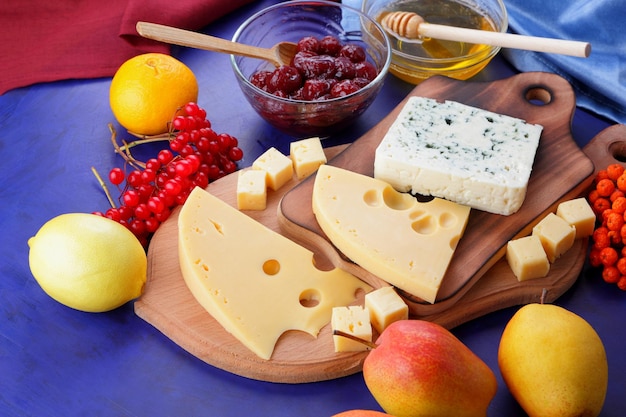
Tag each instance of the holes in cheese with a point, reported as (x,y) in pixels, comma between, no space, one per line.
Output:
(403,241)
(271,267)
(253,281)
(310,298)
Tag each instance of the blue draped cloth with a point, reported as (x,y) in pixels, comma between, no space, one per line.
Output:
(599,80)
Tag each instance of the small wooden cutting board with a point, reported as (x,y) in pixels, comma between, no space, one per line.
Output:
(560,170)
(169,306)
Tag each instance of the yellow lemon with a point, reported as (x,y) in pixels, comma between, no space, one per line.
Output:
(147,90)
(88,262)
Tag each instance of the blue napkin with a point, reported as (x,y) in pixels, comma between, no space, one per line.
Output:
(599,80)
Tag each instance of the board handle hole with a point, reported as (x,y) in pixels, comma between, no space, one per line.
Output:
(538,96)
(618,150)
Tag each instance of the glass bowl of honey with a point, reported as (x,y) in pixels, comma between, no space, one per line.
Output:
(416,60)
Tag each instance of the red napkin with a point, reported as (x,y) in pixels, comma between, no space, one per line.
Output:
(43,40)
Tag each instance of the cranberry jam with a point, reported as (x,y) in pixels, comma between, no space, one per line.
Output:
(322,69)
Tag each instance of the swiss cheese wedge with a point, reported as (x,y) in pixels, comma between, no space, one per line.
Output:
(255,282)
(403,241)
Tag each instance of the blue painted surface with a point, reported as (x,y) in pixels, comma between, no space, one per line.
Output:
(60,362)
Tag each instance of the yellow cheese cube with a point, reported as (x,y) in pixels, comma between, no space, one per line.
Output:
(307,156)
(278,167)
(556,235)
(527,258)
(251,190)
(385,306)
(354,320)
(578,213)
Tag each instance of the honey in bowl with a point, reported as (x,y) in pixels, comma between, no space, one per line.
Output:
(415,61)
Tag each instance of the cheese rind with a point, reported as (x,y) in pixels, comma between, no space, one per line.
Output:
(461,153)
(307,156)
(407,243)
(555,234)
(277,165)
(579,214)
(527,258)
(354,320)
(251,189)
(255,282)
(385,307)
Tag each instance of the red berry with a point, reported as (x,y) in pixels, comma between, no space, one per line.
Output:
(130,198)
(329,45)
(309,44)
(116,176)
(235,154)
(353,52)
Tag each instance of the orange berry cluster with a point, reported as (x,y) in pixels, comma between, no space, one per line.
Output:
(608,201)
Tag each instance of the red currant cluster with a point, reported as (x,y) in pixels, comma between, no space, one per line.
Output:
(196,156)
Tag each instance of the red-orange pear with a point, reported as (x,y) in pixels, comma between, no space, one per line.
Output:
(419,368)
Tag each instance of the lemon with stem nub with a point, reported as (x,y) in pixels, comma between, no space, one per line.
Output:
(88,262)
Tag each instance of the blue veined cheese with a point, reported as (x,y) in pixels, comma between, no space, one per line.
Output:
(461,153)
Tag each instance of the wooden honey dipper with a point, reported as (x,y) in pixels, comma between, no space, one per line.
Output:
(409,26)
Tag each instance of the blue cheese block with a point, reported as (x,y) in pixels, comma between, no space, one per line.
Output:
(461,153)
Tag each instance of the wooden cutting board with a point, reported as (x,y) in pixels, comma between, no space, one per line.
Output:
(560,170)
(170,307)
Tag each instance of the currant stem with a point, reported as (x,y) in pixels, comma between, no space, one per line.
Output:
(104,187)
(124,151)
(144,139)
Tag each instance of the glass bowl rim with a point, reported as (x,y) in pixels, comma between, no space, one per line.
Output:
(374,84)
(492,51)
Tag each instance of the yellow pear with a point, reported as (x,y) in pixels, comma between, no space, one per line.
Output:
(553,362)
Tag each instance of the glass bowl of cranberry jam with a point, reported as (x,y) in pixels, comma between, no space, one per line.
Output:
(341,62)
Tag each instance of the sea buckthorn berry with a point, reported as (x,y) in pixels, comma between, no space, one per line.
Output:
(621,265)
(600,205)
(616,194)
(614,221)
(621,182)
(608,256)
(614,171)
(600,238)
(602,174)
(605,187)
(593,196)
(594,257)
(610,274)
(619,205)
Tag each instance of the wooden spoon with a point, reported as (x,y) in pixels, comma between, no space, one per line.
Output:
(279,54)
(410,26)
